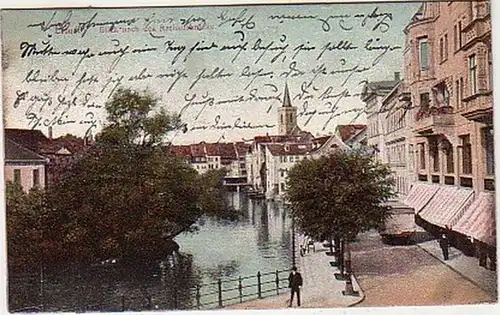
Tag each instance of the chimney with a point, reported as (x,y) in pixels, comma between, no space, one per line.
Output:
(50,132)
(397,76)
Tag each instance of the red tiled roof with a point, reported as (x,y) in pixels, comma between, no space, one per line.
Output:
(321,140)
(197,150)
(227,150)
(37,142)
(346,132)
(212,149)
(242,148)
(280,138)
(180,150)
(74,145)
(278,149)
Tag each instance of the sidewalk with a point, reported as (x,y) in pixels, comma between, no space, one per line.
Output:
(320,289)
(467,267)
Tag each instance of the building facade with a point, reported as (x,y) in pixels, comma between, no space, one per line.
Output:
(449,72)
(437,134)
(23,166)
(280,158)
(204,157)
(372,95)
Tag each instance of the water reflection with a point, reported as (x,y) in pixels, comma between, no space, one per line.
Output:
(221,249)
(167,285)
(259,241)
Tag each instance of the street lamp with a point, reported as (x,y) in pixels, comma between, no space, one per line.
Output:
(286,206)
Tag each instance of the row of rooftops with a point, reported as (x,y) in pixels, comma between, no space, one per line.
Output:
(26,145)
(224,150)
(301,144)
(33,145)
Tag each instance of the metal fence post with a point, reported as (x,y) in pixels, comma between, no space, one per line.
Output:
(277,283)
(259,289)
(219,283)
(198,296)
(240,288)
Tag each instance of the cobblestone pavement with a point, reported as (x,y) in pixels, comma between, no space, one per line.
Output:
(320,290)
(409,276)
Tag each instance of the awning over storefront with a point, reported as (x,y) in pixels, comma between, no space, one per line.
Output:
(447,203)
(420,194)
(478,219)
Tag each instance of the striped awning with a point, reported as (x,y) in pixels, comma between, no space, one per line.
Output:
(478,220)
(420,194)
(447,203)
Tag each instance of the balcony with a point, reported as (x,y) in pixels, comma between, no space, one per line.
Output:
(479,108)
(478,28)
(433,121)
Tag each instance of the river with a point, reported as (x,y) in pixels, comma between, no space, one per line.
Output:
(260,241)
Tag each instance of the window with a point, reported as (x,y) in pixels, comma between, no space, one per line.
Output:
(441,95)
(445,46)
(441,49)
(459,31)
(490,69)
(17,176)
(461,91)
(424,101)
(36,178)
(489,150)
(459,87)
(450,167)
(282,186)
(455,37)
(466,157)
(422,156)
(433,149)
(424,54)
(474,8)
(473,74)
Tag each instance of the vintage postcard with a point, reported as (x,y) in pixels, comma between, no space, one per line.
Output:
(243,156)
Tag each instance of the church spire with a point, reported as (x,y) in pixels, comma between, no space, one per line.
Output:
(286,97)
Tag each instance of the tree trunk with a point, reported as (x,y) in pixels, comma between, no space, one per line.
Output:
(341,257)
(349,290)
(331,245)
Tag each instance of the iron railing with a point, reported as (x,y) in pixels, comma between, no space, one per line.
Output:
(217,294)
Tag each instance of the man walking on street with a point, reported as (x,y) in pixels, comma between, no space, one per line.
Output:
(294,283)
(444,244)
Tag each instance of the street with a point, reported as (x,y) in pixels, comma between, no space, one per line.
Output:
(408,276)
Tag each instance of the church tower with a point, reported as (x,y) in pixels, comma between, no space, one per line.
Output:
(287,115)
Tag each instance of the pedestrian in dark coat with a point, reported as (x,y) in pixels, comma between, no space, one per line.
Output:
(444,244)
(294,283)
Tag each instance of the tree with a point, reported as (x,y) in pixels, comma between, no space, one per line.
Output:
(131,120)
(127,197)
(30,227)
(339,195)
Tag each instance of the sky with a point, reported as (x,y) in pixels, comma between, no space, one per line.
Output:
(15,70)
(223,69)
